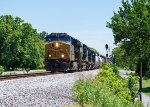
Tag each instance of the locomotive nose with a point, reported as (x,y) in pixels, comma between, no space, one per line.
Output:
(57,56)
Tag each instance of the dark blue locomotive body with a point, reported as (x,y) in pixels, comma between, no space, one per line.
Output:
(63,53)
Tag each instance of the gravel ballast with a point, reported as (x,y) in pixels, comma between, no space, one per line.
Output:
(43,91)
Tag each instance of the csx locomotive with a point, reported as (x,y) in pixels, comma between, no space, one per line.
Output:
(64,53)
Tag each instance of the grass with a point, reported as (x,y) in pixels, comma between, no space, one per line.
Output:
(146,86)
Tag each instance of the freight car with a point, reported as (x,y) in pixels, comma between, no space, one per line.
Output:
(64,53)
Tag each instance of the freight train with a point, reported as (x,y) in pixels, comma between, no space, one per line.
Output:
(64,53)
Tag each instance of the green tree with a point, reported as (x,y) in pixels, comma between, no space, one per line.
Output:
(42,35)
(122,59)
(132,22)
(120,56)
(32,47)
(20,44)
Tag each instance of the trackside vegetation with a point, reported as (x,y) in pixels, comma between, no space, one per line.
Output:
(107,89)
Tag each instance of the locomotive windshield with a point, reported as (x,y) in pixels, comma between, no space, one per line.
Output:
(57,37)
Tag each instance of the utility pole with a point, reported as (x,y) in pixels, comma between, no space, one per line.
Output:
(140,82)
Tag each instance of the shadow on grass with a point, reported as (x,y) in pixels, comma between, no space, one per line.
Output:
(146,90)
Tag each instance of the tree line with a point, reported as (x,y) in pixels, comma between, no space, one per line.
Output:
(21,46)
(131,30)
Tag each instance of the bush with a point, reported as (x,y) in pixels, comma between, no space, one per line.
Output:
(115,69)
(1,70)
(132,82)
(88,93)
(116,84)
(105,65)
(94,94)
(106,90)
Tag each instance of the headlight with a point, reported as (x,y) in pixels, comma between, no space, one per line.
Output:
(62,55)
(50,55)
(57,44)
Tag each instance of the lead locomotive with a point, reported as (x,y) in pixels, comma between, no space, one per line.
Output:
(63,53)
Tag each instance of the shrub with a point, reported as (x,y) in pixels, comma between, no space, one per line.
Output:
(115,69)
(92,94)
(116,84)
(132,82)
(106,90)
(1,70)
(105,65)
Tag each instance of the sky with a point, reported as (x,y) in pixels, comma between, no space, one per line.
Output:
(84,20)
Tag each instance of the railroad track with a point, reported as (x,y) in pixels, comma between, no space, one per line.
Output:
(18,76)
